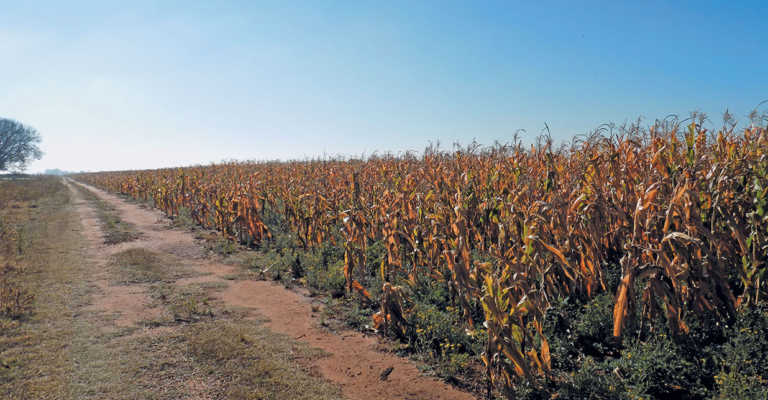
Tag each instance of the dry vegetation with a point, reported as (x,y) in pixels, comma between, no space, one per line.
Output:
(629,263)
(31,364)
(20,200)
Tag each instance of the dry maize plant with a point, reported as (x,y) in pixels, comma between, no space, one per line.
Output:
(510,229)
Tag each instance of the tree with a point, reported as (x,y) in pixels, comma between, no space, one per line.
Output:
(18,145)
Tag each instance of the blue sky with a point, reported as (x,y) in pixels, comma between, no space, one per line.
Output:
(119,85)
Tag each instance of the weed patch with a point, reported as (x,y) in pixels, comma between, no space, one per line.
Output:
(138,266)
(182,304)
(257,363)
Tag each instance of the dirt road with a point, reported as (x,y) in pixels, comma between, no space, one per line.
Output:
(353,362)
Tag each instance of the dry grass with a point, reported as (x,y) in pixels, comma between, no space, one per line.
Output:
(256,363)
(185,304)
(15,300)
(139,265)
(115,230)
(32,359)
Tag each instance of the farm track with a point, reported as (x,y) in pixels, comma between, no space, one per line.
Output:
(353,361)
(123,307)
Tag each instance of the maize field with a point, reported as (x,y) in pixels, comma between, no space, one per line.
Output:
(679,211)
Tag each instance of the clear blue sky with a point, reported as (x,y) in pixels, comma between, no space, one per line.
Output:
(145,84)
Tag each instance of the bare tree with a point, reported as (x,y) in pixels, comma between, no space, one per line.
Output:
(18,145)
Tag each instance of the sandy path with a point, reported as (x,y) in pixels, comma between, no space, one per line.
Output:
(353,363)
(129,303)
